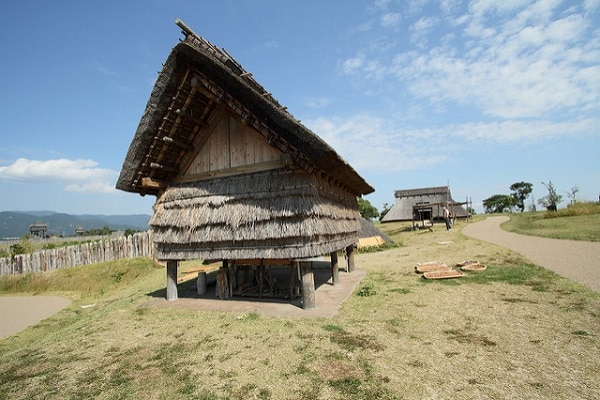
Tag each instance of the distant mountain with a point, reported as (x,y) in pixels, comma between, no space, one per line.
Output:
(16,224)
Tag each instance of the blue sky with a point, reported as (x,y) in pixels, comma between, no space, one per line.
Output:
(479,94)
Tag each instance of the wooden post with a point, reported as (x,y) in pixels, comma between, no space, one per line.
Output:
(350,254)
(222,283)
(201,282)
(261,277)
(245,274)
(222,289)
(233,285)
(308,285)
(172,280)
(293,269)
(335,270)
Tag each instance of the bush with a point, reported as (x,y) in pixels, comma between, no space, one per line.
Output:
(579,208)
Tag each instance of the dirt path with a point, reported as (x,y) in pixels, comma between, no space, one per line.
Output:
(575,260)
(20,312)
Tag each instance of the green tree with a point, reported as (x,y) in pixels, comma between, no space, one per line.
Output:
(23,247)
(104,231)
(367,211)
(520,192)
(498,203)
(129,232)
(386,209)
(552,199)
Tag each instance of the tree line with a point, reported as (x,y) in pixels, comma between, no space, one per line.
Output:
(519,192)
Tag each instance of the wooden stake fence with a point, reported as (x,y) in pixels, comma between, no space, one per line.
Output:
(137,245)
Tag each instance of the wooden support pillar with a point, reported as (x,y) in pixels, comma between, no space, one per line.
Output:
(233,283)
(293,269)
(172,280)
(350,254)
(261,278)
(335,269)
(308,285)
(222,281)
(222,288)
(245,274)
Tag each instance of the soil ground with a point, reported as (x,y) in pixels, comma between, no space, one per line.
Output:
(20,312)
(328,298)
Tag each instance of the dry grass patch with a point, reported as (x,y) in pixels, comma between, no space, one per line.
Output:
(511,331)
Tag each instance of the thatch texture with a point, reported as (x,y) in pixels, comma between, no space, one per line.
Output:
(219,79)
(294,197)
(367,229)
(274,214)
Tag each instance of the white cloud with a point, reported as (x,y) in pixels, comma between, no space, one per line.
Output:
(373,143)
(591,5)
(449,6)
(527,132)
(420,29)
(368,143)
(482,7)
(416,6)
(78,175)
(424,24)
(379,5)
(390,20)
(352,64)
(91,187)
(509,59)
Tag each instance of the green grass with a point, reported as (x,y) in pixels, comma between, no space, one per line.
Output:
(492,334)
(83,280)
(559,225)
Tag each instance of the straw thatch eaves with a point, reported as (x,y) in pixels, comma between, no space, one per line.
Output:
(271,214)
(235,175)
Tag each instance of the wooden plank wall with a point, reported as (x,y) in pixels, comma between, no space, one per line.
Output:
(229,145)
(137,245)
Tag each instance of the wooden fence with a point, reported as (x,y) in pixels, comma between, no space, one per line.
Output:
(116,248)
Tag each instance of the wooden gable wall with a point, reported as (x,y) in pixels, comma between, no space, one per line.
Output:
(228,147)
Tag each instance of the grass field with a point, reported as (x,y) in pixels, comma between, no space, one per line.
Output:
(514,330)
(579,222)
(579,227)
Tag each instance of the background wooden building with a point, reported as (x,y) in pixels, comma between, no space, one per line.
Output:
(236,176)
(424,204)
(38,229)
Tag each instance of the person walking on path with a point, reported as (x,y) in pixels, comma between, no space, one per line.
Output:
(447,218)
(572,259)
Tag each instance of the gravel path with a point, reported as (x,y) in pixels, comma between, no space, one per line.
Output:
(575,260)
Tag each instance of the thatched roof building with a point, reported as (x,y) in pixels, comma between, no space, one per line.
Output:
(371,236)
(423,203)
(236,176)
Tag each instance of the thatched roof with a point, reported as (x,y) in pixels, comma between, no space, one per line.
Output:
(435,197)
(196,78)
(292,196)
(367,230)
(439,191)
